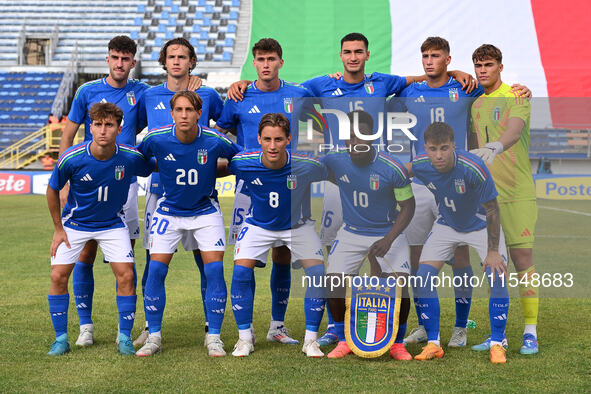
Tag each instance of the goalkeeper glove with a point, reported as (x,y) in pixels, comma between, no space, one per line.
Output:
(489,151)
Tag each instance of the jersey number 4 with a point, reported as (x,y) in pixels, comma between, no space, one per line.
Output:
(449,204)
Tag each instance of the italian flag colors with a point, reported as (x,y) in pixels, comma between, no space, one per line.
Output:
(371,326)
(542,41)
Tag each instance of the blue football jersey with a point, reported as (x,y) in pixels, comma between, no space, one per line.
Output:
(157,106)
(447,103)
(98,189)
(368,95)
(245,116)
(280,199)
(187,171)
(367,193)
(129,98)
(460,192)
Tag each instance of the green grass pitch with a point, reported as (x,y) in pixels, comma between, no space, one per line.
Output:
(563,364)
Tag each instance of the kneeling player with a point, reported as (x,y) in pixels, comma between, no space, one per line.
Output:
(462,186)
(187,161)
(100,172)
(371,184)
(279,185)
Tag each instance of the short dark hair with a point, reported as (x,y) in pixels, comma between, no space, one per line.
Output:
(193,98)
(274,120)
(122,44)
(486,52)
(362,118)
(355,37)
(101,111)
(435,43)
(267,45)
(177,41)
(438,133)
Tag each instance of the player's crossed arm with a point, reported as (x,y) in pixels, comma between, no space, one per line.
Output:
(59,234)
(493,258)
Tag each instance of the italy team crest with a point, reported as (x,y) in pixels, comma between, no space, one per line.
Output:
(371,321)
(497,114)
(288,105)
(454,95)
(131,98)
(292,182)
(369,87)
(202,156)
(119,172)
(460,186)
(374,182)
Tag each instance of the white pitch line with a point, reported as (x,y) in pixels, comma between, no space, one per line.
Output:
(566,210)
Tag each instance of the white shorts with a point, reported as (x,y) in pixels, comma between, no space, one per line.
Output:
(130,211)
(254,242)
(443,241)
(349,249)
(239,212)
(207,231)
(332,214)
(187,240)
(114,243)
(425,214)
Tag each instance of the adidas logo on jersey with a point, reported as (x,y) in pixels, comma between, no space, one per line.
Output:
(431,186)
(257,182)
(254,110)
(420,99)
(220,242)
(86,178)
(345,179)
(405,265)
(104,100)
(526,233)
(337,92)
(170,157)
(130,254)
(160,106)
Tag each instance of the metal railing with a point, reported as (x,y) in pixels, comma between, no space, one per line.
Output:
(34,146)
(65,89)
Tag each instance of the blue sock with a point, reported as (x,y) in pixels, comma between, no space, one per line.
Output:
(253,285)
(241,295)
(280,287)
(146,270)
(498,307)
(199,262)
(314,301)
(429,301)
(215,295)
(83,286)
(329,315)
(126,307)
(463,295)
(415,298)
(401,333)
(155,295)
(58,310)
(340,330)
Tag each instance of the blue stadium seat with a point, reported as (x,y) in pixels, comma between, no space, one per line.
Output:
(155,55)
(206,22)
(141,8)
(171,21)
(204,35)
(158,42)
(231,28)
(134,35)
(233,15)
(175,8)
(164,15)
(229,42)
(137,21)
(194,41)
(227,57)
(198,15)
(162,28)
(169,35)
(201,49)
(168,2)
(235,3)
(196,28)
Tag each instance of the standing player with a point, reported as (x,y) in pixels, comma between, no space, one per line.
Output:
(438,99)
(462,187)
(358,91)
(371,185)
(128,95)
(100,172)
(178,58)
(268,94)
(187,155)
(501,125)
(280,192)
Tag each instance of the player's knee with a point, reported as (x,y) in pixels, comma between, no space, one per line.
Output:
(59,279)
(125,280)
